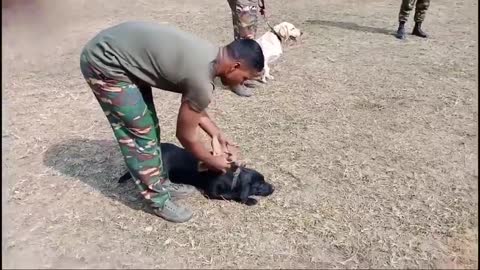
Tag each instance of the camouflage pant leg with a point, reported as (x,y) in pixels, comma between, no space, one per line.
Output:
(135,126)
(421,10)
(405,8)
(244,17)
(147,95)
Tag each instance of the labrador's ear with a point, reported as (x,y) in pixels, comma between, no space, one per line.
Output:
(282,30)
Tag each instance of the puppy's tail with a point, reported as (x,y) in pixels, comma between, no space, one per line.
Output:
(125,177)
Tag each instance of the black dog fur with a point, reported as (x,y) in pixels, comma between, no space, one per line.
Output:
(182,168)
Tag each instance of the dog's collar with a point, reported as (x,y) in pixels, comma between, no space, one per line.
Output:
(276,34)
(272,30)
(236,174)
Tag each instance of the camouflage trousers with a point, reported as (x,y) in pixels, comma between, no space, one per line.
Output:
(131,113)
(421,7)
(244,17)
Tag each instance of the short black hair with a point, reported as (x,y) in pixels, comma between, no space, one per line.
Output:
(248,51)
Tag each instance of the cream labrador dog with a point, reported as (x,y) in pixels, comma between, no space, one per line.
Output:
(271,43)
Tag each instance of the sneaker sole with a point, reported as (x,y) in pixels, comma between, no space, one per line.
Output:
(175,220)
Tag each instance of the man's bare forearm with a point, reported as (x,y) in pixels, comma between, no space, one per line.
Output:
(187,130)
(193,146)
(208,125)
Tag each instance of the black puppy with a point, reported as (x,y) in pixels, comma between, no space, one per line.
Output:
(182,168)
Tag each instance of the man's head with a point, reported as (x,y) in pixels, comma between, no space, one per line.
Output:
(239,61)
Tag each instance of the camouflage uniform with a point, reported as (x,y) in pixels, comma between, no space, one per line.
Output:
(244,17)
(421,7)
(131,112)
(245,20)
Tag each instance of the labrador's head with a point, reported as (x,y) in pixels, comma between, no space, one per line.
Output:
(287,31)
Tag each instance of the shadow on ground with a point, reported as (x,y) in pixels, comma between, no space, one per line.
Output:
(351,26)
(97,163)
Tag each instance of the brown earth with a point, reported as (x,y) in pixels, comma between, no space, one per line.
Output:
(370,141)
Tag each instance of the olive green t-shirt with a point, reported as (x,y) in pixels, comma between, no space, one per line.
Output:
(159,55)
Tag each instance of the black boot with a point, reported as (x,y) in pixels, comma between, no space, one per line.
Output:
(401,31)
(417,30)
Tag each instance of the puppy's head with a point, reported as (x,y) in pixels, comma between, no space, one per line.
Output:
(249,183)
(252,183)
(287,31)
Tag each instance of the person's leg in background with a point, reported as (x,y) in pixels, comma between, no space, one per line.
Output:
(405,9)
(244,18)
(245,23)
(135,130)
(420,12)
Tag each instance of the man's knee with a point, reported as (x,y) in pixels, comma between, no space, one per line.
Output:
(422,5)
(407,5)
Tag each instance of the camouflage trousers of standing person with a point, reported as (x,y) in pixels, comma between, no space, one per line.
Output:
(245,18)
(131,113)
(421,7)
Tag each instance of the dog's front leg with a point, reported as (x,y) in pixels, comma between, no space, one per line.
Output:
(264,75)
(267,75)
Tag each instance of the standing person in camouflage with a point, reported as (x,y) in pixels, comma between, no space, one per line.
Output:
(421,7)
(245,23)
(121,65)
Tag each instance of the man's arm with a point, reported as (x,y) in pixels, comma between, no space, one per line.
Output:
(187,125)
(208,125)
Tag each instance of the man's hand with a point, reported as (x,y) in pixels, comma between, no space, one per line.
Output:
(225,142)
(227,147)
(211,128)
(218,163)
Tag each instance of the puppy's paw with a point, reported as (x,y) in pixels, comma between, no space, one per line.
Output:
(251,201)
(270,77)
(264,80)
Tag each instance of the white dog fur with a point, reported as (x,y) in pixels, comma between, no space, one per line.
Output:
(272,46)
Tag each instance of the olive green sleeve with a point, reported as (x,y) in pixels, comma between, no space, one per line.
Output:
(199,94)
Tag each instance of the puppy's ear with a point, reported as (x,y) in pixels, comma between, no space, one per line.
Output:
(246,180)
(245,193)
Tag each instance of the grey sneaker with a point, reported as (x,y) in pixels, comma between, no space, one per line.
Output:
(242,91)
(173,212)
(178,191)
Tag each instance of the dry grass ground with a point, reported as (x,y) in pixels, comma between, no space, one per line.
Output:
(371,143)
